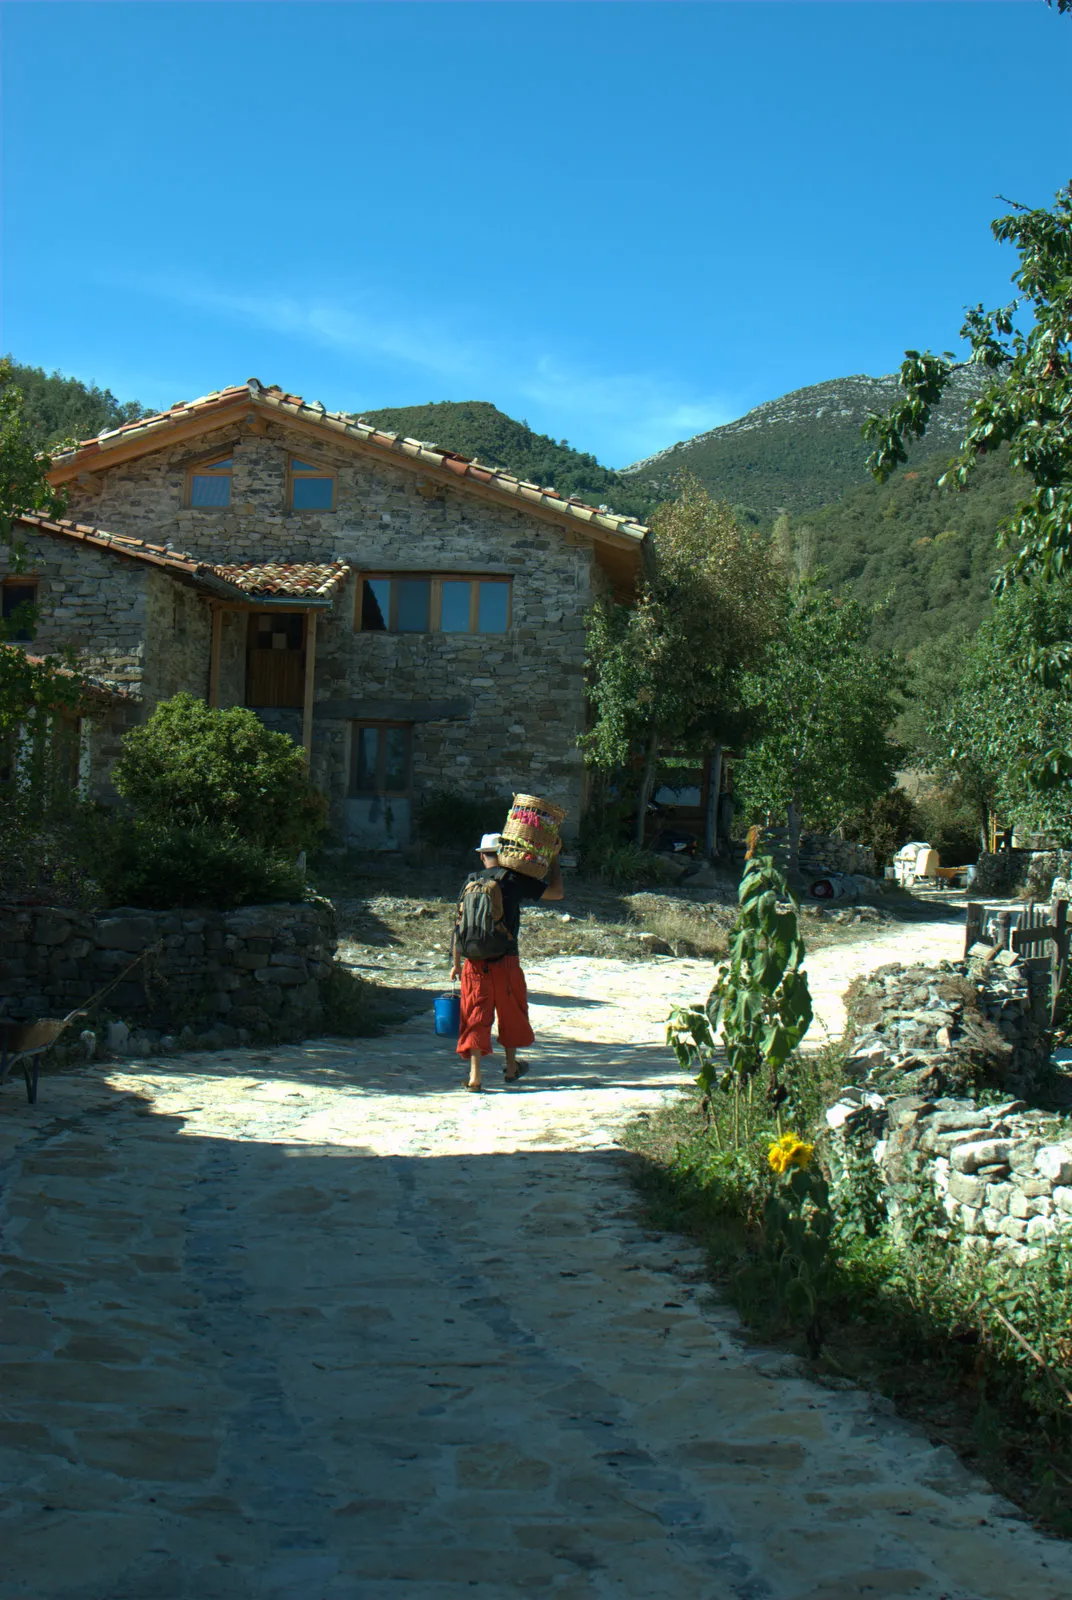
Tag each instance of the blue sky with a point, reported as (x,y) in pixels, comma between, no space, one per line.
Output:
(622,222)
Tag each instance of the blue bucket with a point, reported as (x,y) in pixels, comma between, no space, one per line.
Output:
(448,1015)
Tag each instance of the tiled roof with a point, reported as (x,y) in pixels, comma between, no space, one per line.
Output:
(184,567)
(93,687)
(297,579)
(272,398)
(309,581)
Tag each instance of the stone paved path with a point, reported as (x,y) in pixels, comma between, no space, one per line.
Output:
(314,1324)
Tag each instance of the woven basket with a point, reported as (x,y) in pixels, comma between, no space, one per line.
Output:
(530,840)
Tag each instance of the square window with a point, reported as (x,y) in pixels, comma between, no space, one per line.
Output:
(16,596)
(455,610)
(367,759)
(210,484)
(311,488)
(380,762)
(414,596)
(376,605)
(493,607)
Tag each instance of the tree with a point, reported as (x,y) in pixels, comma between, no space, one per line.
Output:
(191,766)
(1027,406)
(1007,735)
(824,704)
(669,670)
(24,484)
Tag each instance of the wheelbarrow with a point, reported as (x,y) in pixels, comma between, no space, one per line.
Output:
(23,1044)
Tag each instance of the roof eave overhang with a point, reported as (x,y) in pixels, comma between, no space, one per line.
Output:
(104,454)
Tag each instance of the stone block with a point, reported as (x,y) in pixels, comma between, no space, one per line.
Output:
(971,1191)
(1054,1161)
(1013,1228)
(979,1153)
(50,929)
(132,933)
(1062,1199)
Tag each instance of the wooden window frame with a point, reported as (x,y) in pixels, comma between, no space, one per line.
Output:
(318,472)
(207,469)
(436,580)
(381,793)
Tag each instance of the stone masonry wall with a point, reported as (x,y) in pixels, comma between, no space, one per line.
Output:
(91,602)
(490,713)
(1002,1171)
(213,979)
(179,633)
(824,852)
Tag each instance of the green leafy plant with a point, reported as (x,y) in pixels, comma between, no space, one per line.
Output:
(161,864)
(759,1008)
(449,820)
(192,766)
(792,1268)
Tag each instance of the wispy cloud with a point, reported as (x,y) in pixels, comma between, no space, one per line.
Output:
(620,416)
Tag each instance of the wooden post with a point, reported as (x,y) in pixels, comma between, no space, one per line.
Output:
(646,783)
(714,787)
(1004,920)
(973,926)
(1059,956)
(214,658)
(310,669)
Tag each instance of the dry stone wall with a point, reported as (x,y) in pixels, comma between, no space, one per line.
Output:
(210,979)
(1000,1168)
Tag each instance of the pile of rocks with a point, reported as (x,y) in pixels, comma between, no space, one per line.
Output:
(205,980)
(950,1027)
(1003,1173)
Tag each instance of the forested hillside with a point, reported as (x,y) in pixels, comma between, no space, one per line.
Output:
(929,552)
(65,408)
(477,428)
(802,450)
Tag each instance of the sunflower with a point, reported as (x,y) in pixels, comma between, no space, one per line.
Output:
(790,1152)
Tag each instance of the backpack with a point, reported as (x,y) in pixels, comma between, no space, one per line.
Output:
(479,930)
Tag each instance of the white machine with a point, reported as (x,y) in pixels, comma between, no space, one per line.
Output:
(914,861)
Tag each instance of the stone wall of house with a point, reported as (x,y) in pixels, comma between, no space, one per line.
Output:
(93,603)
(178,640)
(1001,1171)
(211,978)
(491,713)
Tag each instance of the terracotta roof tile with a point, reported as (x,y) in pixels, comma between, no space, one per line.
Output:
(274,398)
(96,687)
(288,578)
(312,581)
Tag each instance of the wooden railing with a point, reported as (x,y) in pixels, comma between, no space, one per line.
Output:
(1037,933)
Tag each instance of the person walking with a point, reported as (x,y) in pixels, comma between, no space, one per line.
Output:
(484,954)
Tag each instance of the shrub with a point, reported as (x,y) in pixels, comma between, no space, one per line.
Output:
(622,865)
(195,767)
(160,864)
(446,819)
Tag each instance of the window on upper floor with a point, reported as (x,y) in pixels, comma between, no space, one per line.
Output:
(209,484)
(439,603)
(380,758)
(18,597)
(311,488)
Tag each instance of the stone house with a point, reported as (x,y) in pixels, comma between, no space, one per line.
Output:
(415,619)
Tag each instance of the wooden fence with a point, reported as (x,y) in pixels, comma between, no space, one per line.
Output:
(1038,933)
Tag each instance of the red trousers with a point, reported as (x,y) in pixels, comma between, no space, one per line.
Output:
(490,989)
